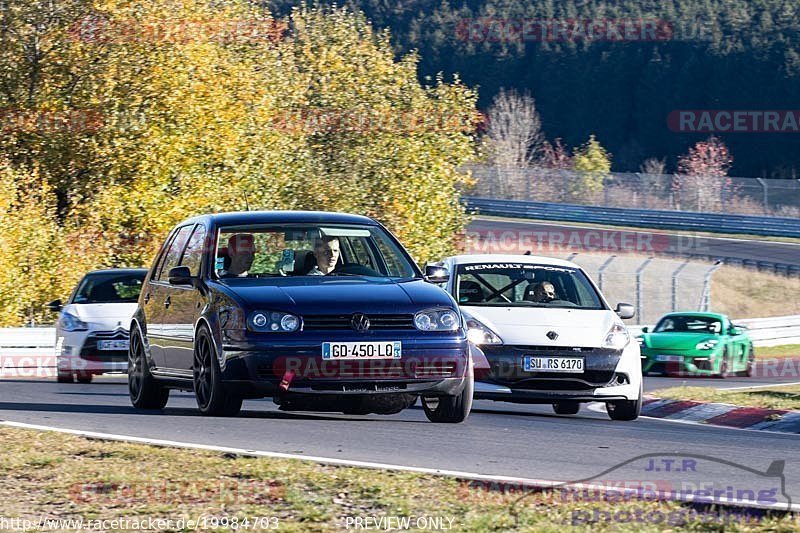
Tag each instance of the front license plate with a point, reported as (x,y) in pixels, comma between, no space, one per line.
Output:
(669,358)
(112,345)
(572,365)
(362,350)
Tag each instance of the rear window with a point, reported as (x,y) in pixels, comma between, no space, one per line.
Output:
(109,288)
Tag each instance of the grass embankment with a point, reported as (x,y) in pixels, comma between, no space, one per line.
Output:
(770,397)
(54,475)
(743,293)
(774,352)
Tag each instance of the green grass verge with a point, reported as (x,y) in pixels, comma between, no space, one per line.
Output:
(786,350)
(770,397)
(48,474)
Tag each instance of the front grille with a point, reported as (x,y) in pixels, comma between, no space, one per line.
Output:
(342,322)
(89,350)
(560,349)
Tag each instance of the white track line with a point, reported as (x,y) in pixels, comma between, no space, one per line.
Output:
(762,386)
(472,476)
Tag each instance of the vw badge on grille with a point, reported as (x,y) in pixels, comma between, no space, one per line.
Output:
(360,322)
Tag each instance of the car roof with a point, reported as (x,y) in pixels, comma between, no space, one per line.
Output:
(705,314)
(118,271)
(509,258)
(237,218)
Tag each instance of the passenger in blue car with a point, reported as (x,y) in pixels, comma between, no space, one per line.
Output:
(326,253)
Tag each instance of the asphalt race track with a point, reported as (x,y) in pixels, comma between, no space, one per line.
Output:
(648,242)
(498,439)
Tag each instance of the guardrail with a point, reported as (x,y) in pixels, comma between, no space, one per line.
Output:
(30,352)
(645,218)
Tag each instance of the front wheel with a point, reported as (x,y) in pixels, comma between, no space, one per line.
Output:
(64,377)
(625,409)
(724,365)
(209,391)
(751,363)
(144,391)
(84,377)
(450,409)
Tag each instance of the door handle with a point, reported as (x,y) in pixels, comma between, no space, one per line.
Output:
(167,302)
(147,298)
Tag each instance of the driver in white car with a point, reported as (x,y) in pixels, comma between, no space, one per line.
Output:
(544,292)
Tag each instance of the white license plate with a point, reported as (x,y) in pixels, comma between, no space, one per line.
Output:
(362,350)
(572,365)
(669,358)
(112,345)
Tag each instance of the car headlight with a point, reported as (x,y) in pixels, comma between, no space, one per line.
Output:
(617,337)
(436,320)
(707,345)
(272,322)
(70,322)
(478,333)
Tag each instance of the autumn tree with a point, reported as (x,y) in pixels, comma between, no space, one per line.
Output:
(702,177)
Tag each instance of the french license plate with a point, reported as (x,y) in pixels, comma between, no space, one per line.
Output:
(362,350)
(669,358)
(572,365)
(112,345)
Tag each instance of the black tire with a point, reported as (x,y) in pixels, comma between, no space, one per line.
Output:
(64,377)
(83,377)
(450,409)
(751,363)
(566,407)
(144,390)
(212,398)
(625,410)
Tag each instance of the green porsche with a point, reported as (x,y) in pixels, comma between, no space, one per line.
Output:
(696,344)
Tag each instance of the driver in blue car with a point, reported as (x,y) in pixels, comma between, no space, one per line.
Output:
(241,250)
(326,254)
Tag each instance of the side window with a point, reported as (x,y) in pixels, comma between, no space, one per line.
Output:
(193,255)
(362,253)
(173,255)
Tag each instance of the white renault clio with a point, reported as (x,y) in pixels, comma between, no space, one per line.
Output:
(92,328)
(547,333)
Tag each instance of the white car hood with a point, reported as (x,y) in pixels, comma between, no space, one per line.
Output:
(530,325)
(104,316)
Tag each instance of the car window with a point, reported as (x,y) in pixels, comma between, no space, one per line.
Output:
(193,255)
(524,285)
(688,324)
(173,255)
(111,287)
(289,250)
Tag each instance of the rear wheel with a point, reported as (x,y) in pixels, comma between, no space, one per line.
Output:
(84,377)
(625,409)
(144,390)
(64,377)
(212,398)
(566,407)
(450,409)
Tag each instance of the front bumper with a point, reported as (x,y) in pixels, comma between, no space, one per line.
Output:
(680,364)
(432,366)
(78,351)
(608,375)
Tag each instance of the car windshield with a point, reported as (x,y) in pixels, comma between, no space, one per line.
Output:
(109,287)
(525,285)
(277,250)
(688,324)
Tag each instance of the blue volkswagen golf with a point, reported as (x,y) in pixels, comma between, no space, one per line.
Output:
(320,311)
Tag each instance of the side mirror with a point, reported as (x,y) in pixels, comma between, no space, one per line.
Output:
(180,275)
(735,330)
(55,306)
(436,274)
(645,329)
(625,310)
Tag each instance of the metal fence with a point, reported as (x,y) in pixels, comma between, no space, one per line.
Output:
(755,196)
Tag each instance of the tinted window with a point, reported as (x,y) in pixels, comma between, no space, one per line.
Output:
(173,255)
(109,288)
(525,285)
(193,255)
(688,324)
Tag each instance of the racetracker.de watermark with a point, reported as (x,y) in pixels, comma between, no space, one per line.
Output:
(510,30)
(734,121)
